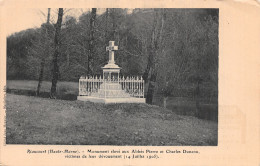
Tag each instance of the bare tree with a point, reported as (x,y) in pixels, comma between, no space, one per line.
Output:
(155,49)
(42,60)
(91,42)
(55,72)
(106,24)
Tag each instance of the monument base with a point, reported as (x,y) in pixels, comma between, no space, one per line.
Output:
(111,100)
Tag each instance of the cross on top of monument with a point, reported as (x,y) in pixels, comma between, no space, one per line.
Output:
(111,48)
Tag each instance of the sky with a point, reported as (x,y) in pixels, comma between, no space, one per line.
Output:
(19,19)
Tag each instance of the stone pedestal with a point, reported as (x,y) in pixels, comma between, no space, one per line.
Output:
(111,100)
(110,90)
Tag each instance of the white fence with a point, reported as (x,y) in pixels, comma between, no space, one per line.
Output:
(111,88)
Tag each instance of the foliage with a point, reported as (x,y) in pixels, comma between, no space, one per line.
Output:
(18,46)
(184,47)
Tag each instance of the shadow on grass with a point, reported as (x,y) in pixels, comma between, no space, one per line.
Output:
(206,112)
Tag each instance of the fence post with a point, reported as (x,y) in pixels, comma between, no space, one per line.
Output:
(132,81)
(143,88)
(134,86)
(105,88)
(79,87)
(138,86)
(93,82)
(123,83)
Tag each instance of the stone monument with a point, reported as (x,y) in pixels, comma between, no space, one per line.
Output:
(111,88)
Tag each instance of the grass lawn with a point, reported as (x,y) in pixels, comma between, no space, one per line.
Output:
(34,120)
(67,87)
(65,90)
(69,91)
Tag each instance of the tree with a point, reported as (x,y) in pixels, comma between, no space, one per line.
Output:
(190,54)
(205,64)
(170,48)
(92,39)
(43,58)
(155,49)
(55,72)
(18,47)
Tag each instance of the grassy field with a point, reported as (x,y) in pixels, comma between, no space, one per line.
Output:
(62,87)
(65,90)
(69,91)
(33,120)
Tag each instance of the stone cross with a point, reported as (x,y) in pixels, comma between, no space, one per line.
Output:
(111,48)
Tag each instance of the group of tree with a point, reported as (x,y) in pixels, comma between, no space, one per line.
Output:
(173,49)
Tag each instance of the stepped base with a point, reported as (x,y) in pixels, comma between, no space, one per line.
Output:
(111,100)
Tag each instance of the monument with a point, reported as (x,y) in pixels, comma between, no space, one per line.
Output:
(111,88)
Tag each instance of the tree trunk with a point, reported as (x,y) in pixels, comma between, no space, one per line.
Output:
(150,69)
(197,98)
(40,77)
(42,61)
(48,16)
(154,47)
(106,34)
(151,87)
(165,101)
(68,59)
(91,42)
(113,24)
(55,72)
(149,64)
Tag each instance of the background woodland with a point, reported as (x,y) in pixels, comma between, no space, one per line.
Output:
(174,50)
